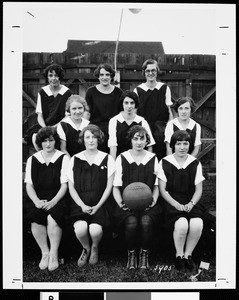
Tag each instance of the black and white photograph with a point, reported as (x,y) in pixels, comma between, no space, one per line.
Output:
(119,146)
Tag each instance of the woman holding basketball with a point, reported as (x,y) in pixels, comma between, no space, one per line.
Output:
(136,165)
(180,183)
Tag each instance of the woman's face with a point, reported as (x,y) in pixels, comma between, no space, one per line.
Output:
(151,72)
(184,111)
(90,140)
(104,77)
(181,148)
(48,144)
(76,110)
(53,78)
(128,105)
(138,142)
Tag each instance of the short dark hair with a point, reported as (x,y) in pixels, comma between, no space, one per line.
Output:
(54,67)
(105,66)
(45,133)
(95,130)
(179,135)
(183,100)
(132,95)
(137,129)
(150,61)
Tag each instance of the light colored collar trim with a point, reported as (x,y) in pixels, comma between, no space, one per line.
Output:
(40,158)
(49,92)
(191,123)
(145,88)
(98,159)
(83,124)
(170,158)
(137,118)
(145,160)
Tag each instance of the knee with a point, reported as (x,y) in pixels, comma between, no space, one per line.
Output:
(131,223)
(95,230)
(181,226)
(80,228)
(146,223)
(196,225)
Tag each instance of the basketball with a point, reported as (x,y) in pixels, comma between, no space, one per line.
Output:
(137,196)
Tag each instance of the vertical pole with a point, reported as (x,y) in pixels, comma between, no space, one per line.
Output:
(117,73)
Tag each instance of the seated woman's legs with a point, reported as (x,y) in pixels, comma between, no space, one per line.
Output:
(194,234)
(131,231)
(39,232)
(180,235)
(82,233)
(146,230)
(96,233)
(54,234)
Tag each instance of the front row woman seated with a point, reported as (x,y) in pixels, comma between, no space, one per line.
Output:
(93,176)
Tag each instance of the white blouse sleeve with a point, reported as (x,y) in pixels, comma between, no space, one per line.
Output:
(156,164)
(38,107)
(112,133)
(161,174)
(168,132)
(110,165)
(168,100)
(118,172)
(145,124)
(199,175)
(28,177)
(70,169)
(61,132)
(64,168)
(198,135)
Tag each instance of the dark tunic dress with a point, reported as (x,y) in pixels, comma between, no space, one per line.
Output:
(72,136)
(131,172)
(181,186)
(90,183)
(102,108)
(46,180)
(152,106)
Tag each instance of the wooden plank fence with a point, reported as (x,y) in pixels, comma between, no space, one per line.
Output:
(186,75)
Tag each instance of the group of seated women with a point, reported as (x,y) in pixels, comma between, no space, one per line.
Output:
(70,163)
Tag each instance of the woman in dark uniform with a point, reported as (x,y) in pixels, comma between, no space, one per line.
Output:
(136,165)
(90,184)
(70,128)
(46,186)
(184,106)
(155,104)
(51,100)
(121,123)
(103,100)
(180,186)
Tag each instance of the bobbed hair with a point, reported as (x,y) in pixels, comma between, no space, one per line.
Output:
(183,100)
(107,67)
(75,98)
(46,133)
(57,68)
(132,95)
(140,130)
(150,61)
(179,135)
(95,130)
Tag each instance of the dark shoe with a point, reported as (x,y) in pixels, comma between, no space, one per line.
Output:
(132,260)
(83,258)
(189,263)
(179,263)
(143,259)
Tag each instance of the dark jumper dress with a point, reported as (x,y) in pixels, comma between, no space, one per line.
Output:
(137,173)
(90,182)
(46,182)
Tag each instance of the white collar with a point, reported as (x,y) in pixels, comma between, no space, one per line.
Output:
(144,161)
(136,119)
(83,124)
(191,123)
(145,88)
(98,158)
(170,158)
(40,158)
(48,91)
